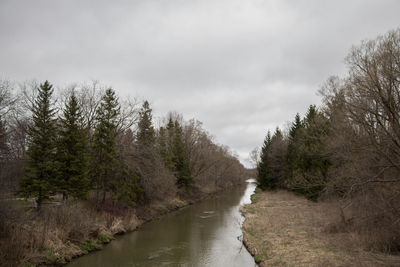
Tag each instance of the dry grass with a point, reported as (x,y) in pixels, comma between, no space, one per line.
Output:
(59,233)
(283,229)
(56,234)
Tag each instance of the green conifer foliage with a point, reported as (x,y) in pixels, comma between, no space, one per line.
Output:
(293,155)
(181,158)
(264,175)
(126,188)
(307,163)
(277,153)
(165,148)
(72,152)
(146,133)
(103,154)
(39,181)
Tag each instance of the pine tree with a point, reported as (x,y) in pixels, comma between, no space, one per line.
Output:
(39,181)
(103,154)
(146,133)
(72,152)
(264,175)
(181,158)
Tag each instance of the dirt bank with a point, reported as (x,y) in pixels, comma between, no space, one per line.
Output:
(283,229)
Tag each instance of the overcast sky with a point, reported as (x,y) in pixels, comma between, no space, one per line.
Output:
(239,66)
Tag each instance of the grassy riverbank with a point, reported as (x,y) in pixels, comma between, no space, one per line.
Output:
(59,233)
(283,229)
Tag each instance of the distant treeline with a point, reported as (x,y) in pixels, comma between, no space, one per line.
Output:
(84,142)
(349,148)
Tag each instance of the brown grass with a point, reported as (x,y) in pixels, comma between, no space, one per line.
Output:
(283,229)
(56,234)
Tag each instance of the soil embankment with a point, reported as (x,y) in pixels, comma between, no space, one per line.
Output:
(283,229)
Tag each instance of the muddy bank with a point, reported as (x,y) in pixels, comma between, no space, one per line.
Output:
(283,229)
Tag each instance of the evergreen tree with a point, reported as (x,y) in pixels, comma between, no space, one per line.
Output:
(146,133)
(181,158)
(292,155)
(264,175)
(170,129)
(165,148)
(72,152)
(103,154)
(39,181)
(277,153)
(126,189)
(308,165)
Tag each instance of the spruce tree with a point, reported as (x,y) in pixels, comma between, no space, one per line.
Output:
(103,152)
(72,152)
(181,158)
(39,181)
(165,148)
(307,166)
(146,133)
(170,132)
(313,163)
(264,175)
(292,155)
(277,159)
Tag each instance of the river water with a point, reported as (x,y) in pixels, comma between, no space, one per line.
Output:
(207,233)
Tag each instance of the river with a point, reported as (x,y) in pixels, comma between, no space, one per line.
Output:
(207,233)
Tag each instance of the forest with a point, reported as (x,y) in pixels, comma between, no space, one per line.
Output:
(347,150)
(79,164)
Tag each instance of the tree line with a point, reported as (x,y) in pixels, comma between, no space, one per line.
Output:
(348,149)
(85,143)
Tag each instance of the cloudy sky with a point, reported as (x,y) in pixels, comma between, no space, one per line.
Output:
(239,66)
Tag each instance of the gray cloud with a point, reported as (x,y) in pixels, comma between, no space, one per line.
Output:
(241,67)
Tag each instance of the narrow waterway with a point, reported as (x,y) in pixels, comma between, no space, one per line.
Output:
(204,234)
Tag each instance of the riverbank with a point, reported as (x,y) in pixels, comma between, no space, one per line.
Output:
(283,229)
(57,234)
(60,233)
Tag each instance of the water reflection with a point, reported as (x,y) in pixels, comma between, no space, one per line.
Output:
(204,234)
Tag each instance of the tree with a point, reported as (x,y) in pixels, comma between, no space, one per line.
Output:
(165,148)
(4,149)
(126,188)
(103,154)
(146,133)
(277,155)
(292,155)
(309,165)
(254,157)
(181,158)
(72,152)
(39,181)
(264,176)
